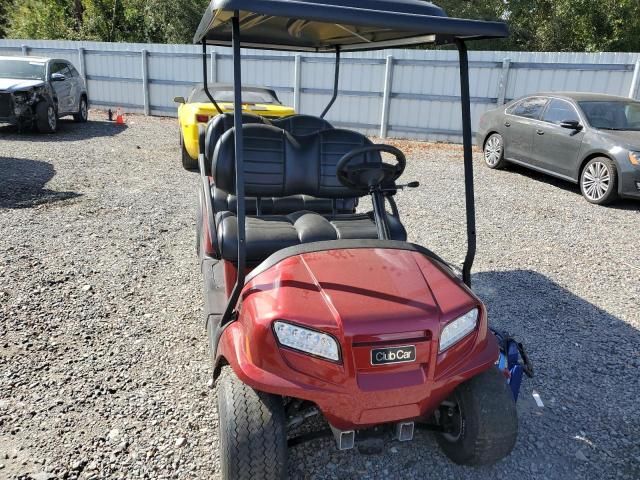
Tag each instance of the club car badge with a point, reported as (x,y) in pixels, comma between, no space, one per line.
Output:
(383,356)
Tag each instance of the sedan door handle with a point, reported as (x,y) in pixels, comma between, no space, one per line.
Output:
(540,132)
(507,124)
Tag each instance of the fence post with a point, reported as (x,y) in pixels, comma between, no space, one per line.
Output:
(297,76)
(25,50)
(386,96)
(83,68)
(504,81)
(635,82)
(214,67)
(145,82)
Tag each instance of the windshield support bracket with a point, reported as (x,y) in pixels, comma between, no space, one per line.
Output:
(335,84)
(465,99)
(204,77)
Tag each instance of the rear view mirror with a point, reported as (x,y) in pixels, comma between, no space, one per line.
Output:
(58,77)
(179,100)
(571,125)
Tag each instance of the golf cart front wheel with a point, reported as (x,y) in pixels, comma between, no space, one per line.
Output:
(253,439)
(481,420)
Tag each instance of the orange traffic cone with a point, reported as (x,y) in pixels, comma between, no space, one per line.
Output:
(119,117)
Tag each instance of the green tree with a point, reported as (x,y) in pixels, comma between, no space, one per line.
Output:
(4,20)
(162,21)
(558,25)
(536,25)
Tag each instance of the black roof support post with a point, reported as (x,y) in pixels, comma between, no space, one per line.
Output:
(240,200)
(468,161)
(335,84)
(204,76)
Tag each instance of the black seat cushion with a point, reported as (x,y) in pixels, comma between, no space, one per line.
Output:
(269,233)
(281,205)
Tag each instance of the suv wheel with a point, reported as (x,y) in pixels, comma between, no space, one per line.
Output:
(46,118)
(83,111)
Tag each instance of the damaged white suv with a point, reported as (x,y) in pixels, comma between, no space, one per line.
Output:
(35,92)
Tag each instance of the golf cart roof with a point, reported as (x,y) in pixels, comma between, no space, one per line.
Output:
(350,25)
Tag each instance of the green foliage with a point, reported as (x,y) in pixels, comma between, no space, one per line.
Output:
(536,25)
(147,21)
(558,25)
(4,20)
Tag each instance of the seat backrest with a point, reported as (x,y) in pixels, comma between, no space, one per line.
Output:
(279,164)
(220,124)
(296,124)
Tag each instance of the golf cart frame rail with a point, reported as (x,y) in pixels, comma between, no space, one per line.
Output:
(335,26)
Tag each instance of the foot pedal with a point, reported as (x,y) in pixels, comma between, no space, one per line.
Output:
(345,439)
(404,431)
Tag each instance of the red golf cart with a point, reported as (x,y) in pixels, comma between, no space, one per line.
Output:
(313,309)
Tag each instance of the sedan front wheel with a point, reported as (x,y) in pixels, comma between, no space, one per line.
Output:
(494,151)
(599,181)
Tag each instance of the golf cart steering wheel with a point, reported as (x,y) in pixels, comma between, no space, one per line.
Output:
(368,176)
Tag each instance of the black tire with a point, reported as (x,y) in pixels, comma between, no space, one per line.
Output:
(83,111)
(253,439)
(493,151)
(188,163)
(599,181)
(46,118)
(485,421)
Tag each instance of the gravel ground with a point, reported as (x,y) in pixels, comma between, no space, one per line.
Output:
(103,354)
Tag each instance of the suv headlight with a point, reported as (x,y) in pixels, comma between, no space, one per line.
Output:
(307,341)
(21,97)
(457,329)
(634,158)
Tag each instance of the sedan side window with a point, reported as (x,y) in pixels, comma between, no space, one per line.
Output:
(530,107)
(560,111)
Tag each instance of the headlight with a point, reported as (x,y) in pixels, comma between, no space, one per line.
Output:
(457,329)
(307,341)
(634,158)
(21,97)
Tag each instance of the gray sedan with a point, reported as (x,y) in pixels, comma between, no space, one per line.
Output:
(590,139)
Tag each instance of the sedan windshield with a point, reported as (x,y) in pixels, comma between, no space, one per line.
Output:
(613,115)
(22,69)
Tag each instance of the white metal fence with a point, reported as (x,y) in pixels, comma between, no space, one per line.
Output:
(398,93)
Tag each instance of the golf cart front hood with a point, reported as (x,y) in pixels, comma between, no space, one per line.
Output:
(369,300)
(360,296)
(372,293)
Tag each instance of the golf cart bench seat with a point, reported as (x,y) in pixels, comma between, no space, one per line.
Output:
(294,124)
(279,164)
